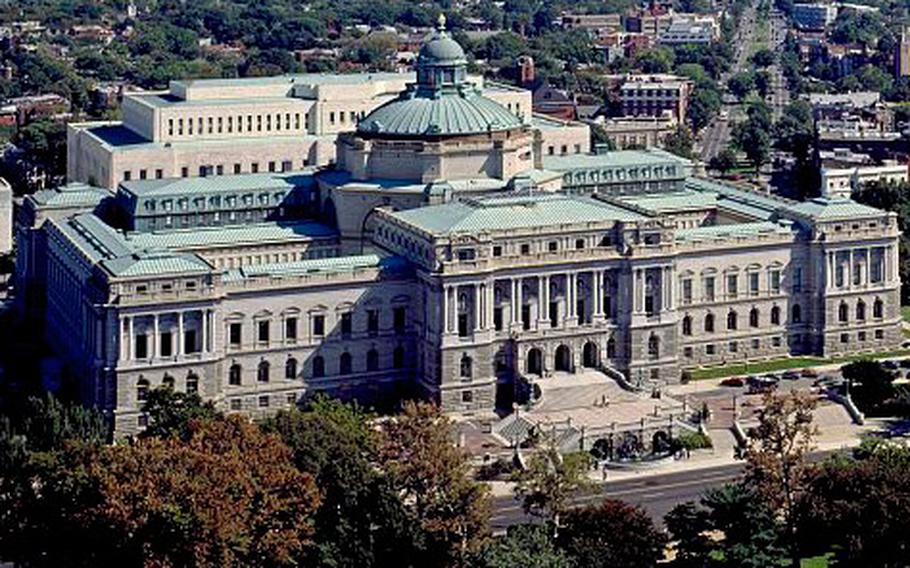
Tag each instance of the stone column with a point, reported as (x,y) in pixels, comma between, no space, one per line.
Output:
(850,268)
(671,299)
(205,330)
(179,346)
(128,352)
(488,301)
(598,293)
(477,296)
(155,338)
(446,309)
(893,263)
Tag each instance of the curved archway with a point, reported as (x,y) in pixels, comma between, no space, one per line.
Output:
(590,355)
(562,361)
(535,362)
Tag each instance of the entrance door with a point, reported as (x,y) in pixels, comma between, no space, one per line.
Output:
(589,355)
(563,359)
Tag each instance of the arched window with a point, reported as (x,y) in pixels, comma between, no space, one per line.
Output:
(372,360)
(775,315)
(398,357)
(843,312)
(653,347)
(168,381)
(861,310)
(732,320)
(709,323)
(262,373)
(687,326)
(467,365)
(318,367)
(192,383)
(796,314)
(878,308)
(753,317)
(142,390)
(344,364)
(290,368)
(611,348)
(234,374)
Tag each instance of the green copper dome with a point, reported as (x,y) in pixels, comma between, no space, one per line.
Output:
(441,103)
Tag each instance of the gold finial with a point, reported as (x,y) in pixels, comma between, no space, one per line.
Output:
(441,22)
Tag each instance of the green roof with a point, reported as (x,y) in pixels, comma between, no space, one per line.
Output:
(614,159)
(231,235)
(172,187)
(70,195)
(155,264)
(513,212)
(451,114)
(830,209)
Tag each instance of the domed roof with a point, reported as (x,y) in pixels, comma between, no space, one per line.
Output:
(441,103)
(441,49)
(451,115)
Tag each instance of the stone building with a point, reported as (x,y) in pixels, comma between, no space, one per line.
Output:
(440,257)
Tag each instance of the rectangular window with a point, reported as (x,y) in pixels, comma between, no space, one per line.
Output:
(709,289)
(319,325)
(189,341)
(127,175)
(775,281)
(236,404)
(264,401)
(497,318)
(709,349)
(399,316)
(526,249)
(687,291)
(290,329)
(142,346)
(236,333)
(262,331)
(797,279)
(373,321)
(159,173)
(346,325)
(753,283)
(167,348)
(254,167)
(271,166)
(732,281)
(143,174)
(237,169)
(497,250)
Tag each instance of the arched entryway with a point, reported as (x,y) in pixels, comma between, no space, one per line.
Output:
(535,362)
(563,360)
(589,355)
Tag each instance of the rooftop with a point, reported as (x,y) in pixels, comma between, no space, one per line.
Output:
(671,201)
(831,209)
(736,230)
(218,184)
(231,235)
(513,212)
(313,266)
(70,195)
(617,159)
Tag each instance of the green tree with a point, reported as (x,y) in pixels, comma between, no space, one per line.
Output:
(360,522)
(680,142)
(871,385)
(776,460)
(741,84)
(549,481)
(523,546)
(171,413)
(655,60)
(724,161)
(432,476)
(703,107)
(764,58)
(612,534)
(689,526)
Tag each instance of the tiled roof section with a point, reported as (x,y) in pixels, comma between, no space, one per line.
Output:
(70,195)
(219,184)
(451,114)
(739,200)
(318,265)
(155,263)
(725,232)
(619,158)
(109,249)
(513,212)
(231,235)
(830,209)
(671,201)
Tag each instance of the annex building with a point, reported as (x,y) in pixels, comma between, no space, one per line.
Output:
(443,255)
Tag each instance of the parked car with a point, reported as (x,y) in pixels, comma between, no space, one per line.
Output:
(890,365)
(790,375)
(904,363)
(809,373)
(763,384)
(733,382)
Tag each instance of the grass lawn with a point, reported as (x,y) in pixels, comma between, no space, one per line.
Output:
(815,562)
(773,365)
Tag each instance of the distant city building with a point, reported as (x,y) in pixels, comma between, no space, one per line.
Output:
(448,256)
(815,17)
(688,32)
(840,182)
(655,95)
(638,131)
(6,217)
(596,24)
